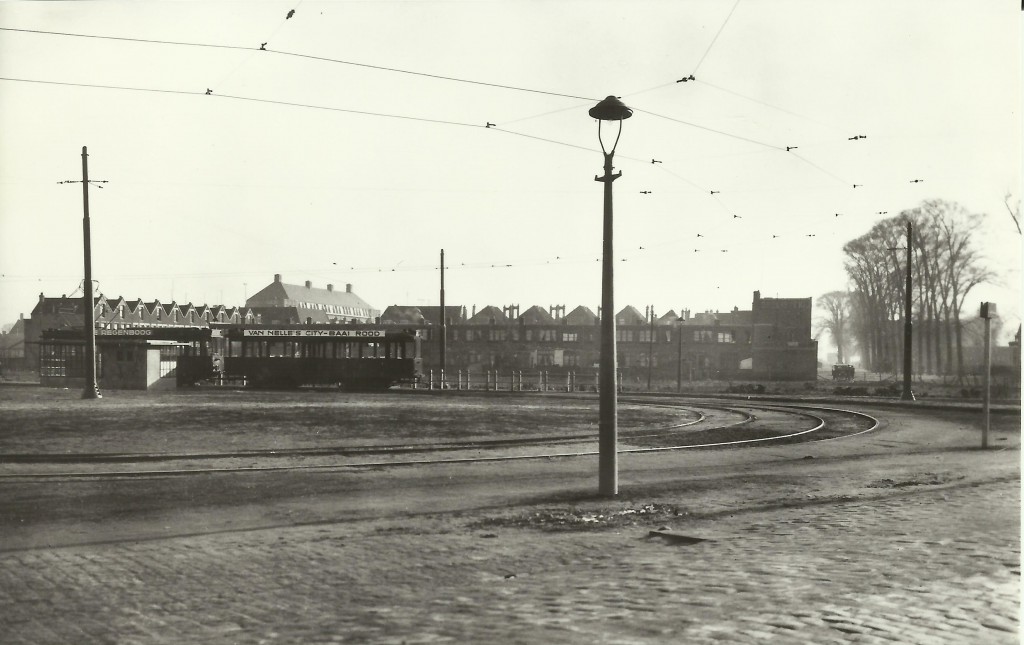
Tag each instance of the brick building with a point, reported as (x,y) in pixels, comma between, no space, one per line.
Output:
(771,341)
(12,348)
(282,303)
(66,313)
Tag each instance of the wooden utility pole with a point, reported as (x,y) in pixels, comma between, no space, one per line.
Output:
(444,326)
(91,390)
(650,348)
(908,333)
(988,310)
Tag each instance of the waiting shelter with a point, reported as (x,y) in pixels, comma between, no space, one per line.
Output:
(135,358)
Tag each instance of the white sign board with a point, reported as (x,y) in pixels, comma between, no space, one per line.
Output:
(313,333)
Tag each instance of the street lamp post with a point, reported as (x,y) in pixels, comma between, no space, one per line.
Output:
(610,109)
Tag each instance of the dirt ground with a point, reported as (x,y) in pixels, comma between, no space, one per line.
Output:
(907,534)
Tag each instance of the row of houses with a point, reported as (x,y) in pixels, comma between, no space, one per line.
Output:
(54,313)
(770,341)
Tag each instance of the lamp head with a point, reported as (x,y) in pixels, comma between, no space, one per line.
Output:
(611,109)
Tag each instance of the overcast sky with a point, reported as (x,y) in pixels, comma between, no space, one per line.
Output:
(208,196)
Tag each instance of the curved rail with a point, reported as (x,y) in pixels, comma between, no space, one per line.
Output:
(748,418)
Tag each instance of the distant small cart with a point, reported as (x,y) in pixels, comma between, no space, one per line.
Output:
(842,372)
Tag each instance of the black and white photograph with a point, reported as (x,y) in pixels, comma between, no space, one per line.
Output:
(510,321)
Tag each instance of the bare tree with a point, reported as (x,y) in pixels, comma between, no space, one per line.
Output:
(946,267)
(836,321)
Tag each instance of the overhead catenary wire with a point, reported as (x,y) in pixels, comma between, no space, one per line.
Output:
(703,127)
(715,39)
(209,92)
(384,68)
(703,81)
(307,57)
(386,115)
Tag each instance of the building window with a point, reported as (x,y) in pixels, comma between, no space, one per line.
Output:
(725,337)
(570,337)
(703,336)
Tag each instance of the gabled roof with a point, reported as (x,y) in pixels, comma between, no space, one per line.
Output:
(402,314)
(432,314)
(581,316)
(488,315)
(63,304)
(668,318)
(630,316)
(535,316)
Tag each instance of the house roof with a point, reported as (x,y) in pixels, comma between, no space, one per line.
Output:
(581,316)
(402,314)
(668,318)
(277,294)
(432,314)
(488,314)
(535,315)
(630,316)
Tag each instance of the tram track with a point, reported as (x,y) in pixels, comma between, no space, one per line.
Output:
(714,425)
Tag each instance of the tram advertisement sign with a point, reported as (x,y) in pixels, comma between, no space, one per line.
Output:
(313,333)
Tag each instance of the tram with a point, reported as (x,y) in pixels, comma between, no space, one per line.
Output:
(353,357)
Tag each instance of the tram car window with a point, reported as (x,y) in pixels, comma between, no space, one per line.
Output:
(354,357)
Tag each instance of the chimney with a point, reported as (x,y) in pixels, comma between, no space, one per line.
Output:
(348,287)
(41,296)
(309,285)
(277,277)
(330,287)
(474,310)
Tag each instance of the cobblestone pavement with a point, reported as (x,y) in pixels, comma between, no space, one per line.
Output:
(909,565)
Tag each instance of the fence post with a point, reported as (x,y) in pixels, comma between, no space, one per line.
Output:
(430,379)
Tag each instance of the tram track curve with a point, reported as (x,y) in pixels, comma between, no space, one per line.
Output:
(818,424)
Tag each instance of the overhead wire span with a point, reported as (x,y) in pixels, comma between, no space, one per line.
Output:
(819,168)
(555,141)
(428,75)
(348,111)
(126,39)
(766,104)
(305,56)
(209,92)
(715,39)
(721,132)
(263,46)
(103,87)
